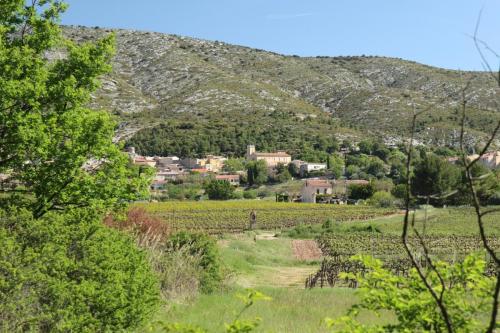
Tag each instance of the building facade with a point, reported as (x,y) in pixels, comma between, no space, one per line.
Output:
(314,187)
(272,159)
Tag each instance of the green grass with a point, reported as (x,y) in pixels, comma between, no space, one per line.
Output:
(290,310)
(262,262)
(270,267)
(259,265)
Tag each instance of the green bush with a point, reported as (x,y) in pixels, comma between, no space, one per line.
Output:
(382,199)
(238,195)
(178,271)
(359,191)
(205,248)
(219,190)
(68,272)
(250,194)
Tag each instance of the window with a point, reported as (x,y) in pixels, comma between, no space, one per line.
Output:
(324,191)
(317,191)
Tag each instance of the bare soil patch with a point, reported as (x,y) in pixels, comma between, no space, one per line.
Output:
(306,249)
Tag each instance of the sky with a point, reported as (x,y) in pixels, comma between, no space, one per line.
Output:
(433,32)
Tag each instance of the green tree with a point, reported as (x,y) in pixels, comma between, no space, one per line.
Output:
(256,172)
(365,147)
(359,191)
(62,270)
(282,174)
(219,190)
(293,170)
(234,164)
(336,165)
(381,199)
(487,185)
(61,151)
(433,176)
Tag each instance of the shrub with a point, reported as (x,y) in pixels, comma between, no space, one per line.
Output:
(178,270)
(250,194)
(358,191)
(140,223)
(237,195)
(206,248)
(382,199)
(399,191)
(68,272)
(219,190)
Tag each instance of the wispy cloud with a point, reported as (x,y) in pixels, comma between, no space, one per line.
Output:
(288,16)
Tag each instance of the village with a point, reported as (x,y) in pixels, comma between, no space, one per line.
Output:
(317,184)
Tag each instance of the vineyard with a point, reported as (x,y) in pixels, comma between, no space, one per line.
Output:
(389,248)
(216,217)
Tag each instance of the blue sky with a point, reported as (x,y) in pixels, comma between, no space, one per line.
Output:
(434,32)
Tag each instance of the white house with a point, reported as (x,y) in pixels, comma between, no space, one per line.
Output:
(307,167)
(314,187)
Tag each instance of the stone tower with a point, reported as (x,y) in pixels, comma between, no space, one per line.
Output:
(250,151)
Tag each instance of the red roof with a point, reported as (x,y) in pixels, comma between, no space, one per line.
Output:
(227,177)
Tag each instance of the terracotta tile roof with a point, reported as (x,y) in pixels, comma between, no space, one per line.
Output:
(227,177)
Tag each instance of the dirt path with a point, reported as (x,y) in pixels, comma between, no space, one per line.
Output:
(306,249)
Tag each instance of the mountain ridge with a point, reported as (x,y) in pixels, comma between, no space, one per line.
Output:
(161,78)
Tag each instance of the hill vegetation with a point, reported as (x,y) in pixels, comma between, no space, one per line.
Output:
(185,96)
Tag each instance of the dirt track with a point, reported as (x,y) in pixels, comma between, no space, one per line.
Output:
(306,249)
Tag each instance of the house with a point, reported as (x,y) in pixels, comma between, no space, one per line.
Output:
(307,167)
(166,162)
(146,161)
(271,159)
(210,162)
(314,187)
(214,163)
(193,163)
(232,179)
(169,175)
(490,160)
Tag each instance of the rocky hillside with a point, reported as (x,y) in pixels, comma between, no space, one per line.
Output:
(164,84)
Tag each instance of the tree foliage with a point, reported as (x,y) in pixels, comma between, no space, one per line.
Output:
(61,269)
(359,191)
(50,142)
(433,176)
(256,172)
(68,272)
(415,309)
(219,190)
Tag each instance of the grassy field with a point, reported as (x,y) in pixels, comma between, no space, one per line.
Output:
(290,310)
(261,261)
(267,265)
